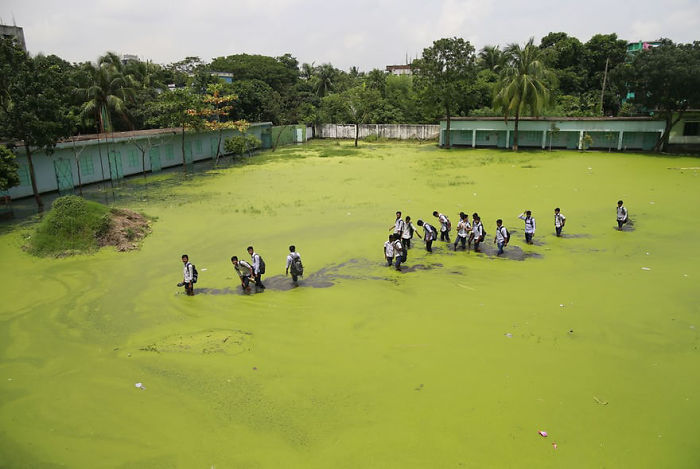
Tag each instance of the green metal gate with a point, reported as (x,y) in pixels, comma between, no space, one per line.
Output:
(115,165)
(64,175)
(154,156)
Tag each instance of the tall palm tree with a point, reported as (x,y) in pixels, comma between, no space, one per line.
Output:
(107,91)
(325,76)
(524,86)
(492,58)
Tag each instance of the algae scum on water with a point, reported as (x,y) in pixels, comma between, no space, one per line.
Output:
(460,361)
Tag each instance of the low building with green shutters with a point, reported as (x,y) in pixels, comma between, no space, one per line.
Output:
(606,133)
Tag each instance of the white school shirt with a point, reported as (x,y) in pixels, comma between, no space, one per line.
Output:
(501,234)
(389,248)
(477,229)
(398,247)
(559,220)
(621,213)
(255,257)
(463,228)
(406,232)
(291,257)
(398,226)
(529,224)
(244,269)
(188,273)
(443,222)
(429,230)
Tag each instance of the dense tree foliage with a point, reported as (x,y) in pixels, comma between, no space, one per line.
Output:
(666,79)
(598,77)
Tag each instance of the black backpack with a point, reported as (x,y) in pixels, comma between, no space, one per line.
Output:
(297,267)
(483,233)
(195,274)
(507,236)
(262,264)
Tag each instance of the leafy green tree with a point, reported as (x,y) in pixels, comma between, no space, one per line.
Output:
(279,73)
(32,108)
(601,52)
(565,56)
(666,79)
(178,108)
(524,86)
(442,69)
(325,76)
(8,169)
(216,108)
(107,91)
(256,101)
(491,58)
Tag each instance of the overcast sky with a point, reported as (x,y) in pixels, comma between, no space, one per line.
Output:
(365,33)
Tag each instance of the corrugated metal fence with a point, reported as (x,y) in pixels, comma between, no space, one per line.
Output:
(394,131)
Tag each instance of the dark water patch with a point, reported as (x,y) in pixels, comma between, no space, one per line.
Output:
(629,226)
(575,235)
(418,267)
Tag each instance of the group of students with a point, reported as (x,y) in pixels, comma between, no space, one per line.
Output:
(247,271)
(398,244)
(468,233)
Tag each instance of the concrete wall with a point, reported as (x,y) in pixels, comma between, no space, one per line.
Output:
(99,159)
(614,134)
(394,131)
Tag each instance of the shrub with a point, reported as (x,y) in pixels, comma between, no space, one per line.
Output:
(239,144)
(72,225)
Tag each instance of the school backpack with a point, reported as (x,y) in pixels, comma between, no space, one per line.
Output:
(507,235)
(195,274)
(483,233)
(296,266)
(262,264)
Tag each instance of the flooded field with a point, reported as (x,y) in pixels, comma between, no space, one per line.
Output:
(459,361)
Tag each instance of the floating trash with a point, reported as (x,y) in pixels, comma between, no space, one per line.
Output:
(140,386)
(554,445)
(646,268)
(562,305)
(203,270)
(542,433)
(509,335)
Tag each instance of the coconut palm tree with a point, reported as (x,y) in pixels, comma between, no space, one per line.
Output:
(325,76)
(524,85)
(491,58)
(107,91)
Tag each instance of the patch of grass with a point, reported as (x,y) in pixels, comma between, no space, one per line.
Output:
(72,225)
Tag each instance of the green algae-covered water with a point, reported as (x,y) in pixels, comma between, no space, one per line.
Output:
(457,362)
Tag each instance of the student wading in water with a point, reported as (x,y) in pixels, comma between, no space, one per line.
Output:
(621,215)
(529,225)
(189,276)
(463,231)
(559,221)
(258,267)
(400,254)
(502,236)
(389,250)
(407,233)
(429,235)
(244,271)
(294,264)
(445,226)
(478,231)
(398,225)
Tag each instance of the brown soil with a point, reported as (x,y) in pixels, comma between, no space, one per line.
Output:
(126,230)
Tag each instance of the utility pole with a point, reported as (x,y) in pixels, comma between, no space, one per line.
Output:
(605,78)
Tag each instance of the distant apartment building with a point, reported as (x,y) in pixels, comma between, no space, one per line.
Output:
(227,77)
(13,32)
(399,69)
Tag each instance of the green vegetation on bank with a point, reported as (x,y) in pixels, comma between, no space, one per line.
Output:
(72,225)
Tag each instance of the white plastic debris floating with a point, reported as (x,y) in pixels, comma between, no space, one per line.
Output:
(542,433)
(646,268)
(140,386)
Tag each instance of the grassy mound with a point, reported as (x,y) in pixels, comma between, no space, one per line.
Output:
(75,225)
